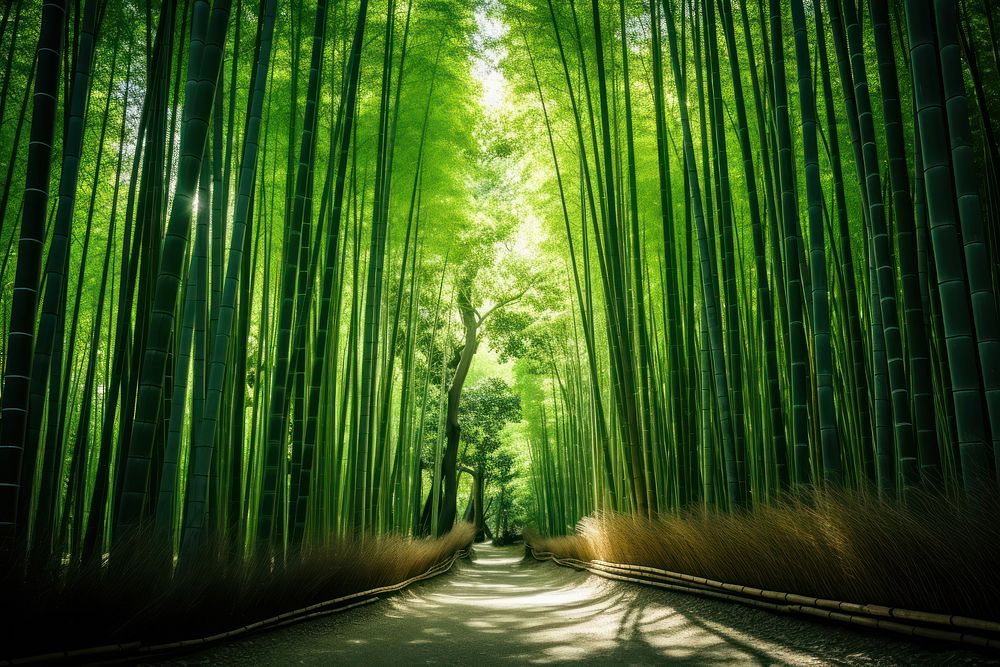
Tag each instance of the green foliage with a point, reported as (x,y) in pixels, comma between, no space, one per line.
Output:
(485,410)
(488,409)
(723,251)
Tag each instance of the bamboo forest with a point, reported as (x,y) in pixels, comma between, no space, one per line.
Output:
(307,301)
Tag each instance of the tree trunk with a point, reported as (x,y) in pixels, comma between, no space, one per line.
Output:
(17,375)
(449,464)
(479,512)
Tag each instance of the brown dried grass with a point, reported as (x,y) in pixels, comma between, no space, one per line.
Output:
(935,555)
(135,600)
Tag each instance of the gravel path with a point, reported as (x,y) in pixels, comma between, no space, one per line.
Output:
(499,608)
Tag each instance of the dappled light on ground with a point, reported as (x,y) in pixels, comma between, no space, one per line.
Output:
(533,613)
(559,615)
(501,608)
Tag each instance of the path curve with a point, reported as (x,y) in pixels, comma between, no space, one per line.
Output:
(500,608)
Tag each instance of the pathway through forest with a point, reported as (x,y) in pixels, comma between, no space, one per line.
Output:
(499,608)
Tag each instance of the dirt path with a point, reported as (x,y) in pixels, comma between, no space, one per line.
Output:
(499,609)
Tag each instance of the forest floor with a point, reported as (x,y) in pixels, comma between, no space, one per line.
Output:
(500,608)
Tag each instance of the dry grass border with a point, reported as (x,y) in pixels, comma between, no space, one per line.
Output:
(936,555)
(135,602)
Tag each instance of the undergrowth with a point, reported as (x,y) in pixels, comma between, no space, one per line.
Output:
(131,599)
(936,555)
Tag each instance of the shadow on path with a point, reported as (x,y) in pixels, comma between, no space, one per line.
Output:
(500,608)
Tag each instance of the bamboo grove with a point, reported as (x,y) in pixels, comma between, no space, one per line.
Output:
(261,260)
(225,323)
(780,224)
